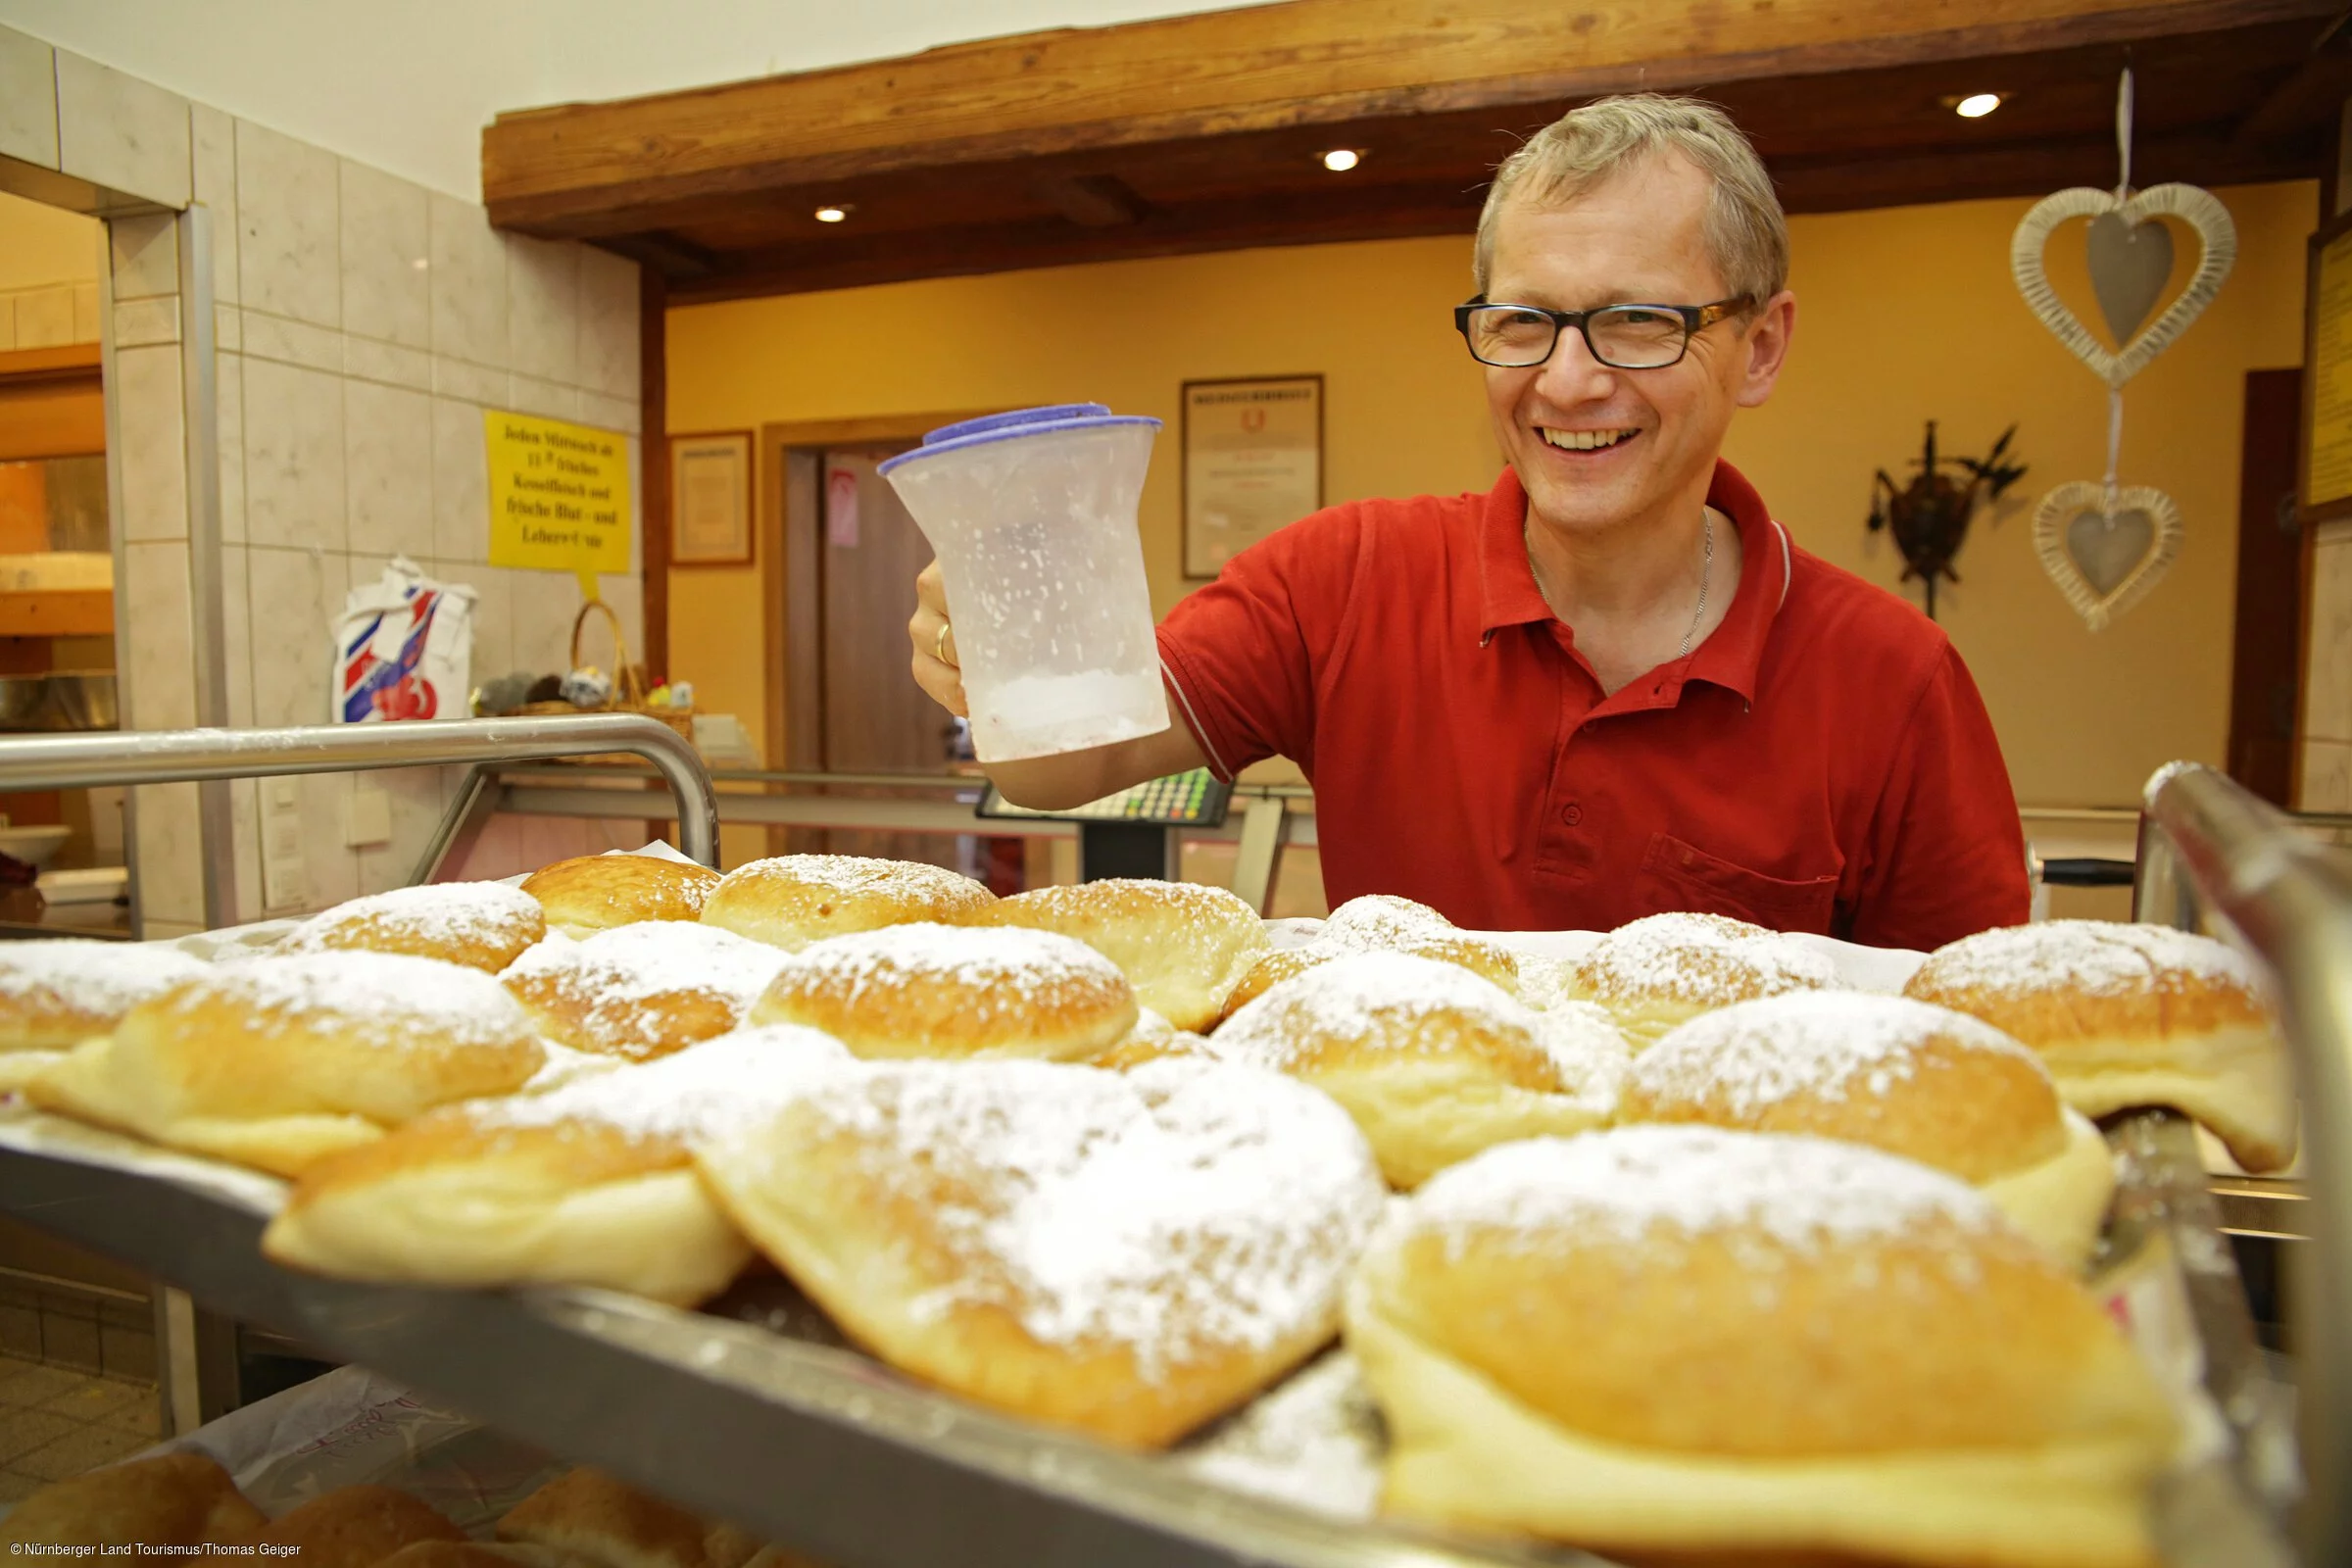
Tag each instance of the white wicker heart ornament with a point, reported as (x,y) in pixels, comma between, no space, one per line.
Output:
(2199,210)
(2102,584)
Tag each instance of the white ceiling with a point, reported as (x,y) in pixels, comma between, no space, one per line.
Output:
(407,86)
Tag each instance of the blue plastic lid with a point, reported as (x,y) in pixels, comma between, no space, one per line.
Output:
(1053,420)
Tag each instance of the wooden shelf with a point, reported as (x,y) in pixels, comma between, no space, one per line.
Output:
(58,612)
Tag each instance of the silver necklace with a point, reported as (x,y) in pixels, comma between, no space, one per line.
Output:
(1706,571)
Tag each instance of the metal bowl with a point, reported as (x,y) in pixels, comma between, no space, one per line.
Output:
(83,701)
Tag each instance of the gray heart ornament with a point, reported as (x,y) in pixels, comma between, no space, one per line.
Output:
(2129,265)
(2105,547)
(2204,215)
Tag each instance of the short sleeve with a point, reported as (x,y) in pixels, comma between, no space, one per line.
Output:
(1242,654)
(1947,853)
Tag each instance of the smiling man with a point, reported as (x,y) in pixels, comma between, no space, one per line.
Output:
(1612,685)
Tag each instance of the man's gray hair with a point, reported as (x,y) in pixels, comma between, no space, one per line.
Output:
(1746,231)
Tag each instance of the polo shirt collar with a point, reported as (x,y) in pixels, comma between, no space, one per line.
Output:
(1732,653)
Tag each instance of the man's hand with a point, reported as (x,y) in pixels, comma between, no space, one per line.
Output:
(934,640)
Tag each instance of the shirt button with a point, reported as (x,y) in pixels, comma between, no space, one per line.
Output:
(1572,814)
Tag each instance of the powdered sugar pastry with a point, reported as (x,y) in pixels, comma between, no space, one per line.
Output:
(97,977)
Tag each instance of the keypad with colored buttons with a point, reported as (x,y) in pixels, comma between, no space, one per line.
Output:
(1181,800)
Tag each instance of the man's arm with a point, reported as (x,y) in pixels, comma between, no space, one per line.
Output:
(1042,783)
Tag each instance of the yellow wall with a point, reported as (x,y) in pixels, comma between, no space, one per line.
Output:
(41,244)
(1905,314)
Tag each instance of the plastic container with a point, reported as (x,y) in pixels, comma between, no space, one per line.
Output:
(1032,515)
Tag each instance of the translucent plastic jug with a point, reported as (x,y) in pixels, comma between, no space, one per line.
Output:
(1032,515)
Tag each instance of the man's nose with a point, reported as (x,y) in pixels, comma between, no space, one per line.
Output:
(1572,374)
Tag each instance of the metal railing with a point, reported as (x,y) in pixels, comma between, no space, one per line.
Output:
(2206,845)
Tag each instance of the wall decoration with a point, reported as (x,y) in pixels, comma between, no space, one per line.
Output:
(558,494)
(1252,464)
(2105,544)
(710,499)
(1930,515)
(2326,457)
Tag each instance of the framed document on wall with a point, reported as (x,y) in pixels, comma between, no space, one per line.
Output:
(710,499)
(2325,459)
(1252,463)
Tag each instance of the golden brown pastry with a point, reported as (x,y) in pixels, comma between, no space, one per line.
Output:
(353,1527)
(276,1062)
(1666,969)
(1683,1340)
(792,899)
(1432,1062)
(642,991)
(1379,922)
(1151,1040)
(481,925)
(590,1184)
(2133,1015)
(602,1521)
(181,1498)
(56,995)
(1124,1253)
(592,893)
(1181,945)
(1919,1081)
(955,991)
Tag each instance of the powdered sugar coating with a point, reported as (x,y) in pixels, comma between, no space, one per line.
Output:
(381,999)
(103,979)
(442,914)
(1131,1208)
(854,875)
(621,971)
(708,1091)
(2090,957)
(1698,958)
(1821,1044)
(1634,1184)
(1375,921)
(1003,972)
(1316,1443)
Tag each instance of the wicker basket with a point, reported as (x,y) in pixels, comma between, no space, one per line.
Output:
(628,693)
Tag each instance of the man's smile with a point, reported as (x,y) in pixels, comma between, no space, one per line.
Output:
(1584,440)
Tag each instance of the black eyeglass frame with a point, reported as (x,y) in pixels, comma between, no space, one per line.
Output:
(1697,319)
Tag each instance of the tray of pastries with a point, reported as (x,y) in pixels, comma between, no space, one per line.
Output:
(904,1224)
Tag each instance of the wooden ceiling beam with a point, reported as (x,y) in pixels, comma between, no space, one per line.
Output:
(581,171)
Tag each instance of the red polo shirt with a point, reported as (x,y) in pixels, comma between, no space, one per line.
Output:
(1821,762)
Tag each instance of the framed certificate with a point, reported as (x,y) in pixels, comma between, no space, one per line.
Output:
(1252,463)
(2325,458)
(710,499)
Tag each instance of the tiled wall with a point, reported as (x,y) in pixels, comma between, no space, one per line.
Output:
(2328,676)
(362,325)
(48,317)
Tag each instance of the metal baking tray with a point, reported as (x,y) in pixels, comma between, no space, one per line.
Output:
(773,1424)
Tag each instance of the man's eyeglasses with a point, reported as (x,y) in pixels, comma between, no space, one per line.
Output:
(1625,337)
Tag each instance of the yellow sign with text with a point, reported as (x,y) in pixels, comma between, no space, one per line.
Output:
(558,494)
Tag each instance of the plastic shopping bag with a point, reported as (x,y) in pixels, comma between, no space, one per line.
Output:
(404,648)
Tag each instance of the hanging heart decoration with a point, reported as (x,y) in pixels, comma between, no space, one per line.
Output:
(2205,216)
(2105,548)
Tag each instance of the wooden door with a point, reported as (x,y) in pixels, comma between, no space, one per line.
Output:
(2266,670)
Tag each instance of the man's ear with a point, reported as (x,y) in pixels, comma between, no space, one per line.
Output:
(1768,335)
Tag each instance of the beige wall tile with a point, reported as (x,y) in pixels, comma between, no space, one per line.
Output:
(45,318)
(613,413)
(386,254)
(2328,677)
(286,227)
(626,596)
(245,840)
(139,323)
(418,796)
(154,459)
(87,327)
(145,255)
(469,283)
(237,622)
(388,468)
(461,483)
(169,859)
(215,135)
(28,99)
(228,398)
(371,359)
(228,330)
(542,605)
(609,324)
(116,131)
(159,686)
(293,458)
(493,615)
(2327,777)
(456,378)
(549,400)
(331,870)
(292,647)
(264,336)
(543,301)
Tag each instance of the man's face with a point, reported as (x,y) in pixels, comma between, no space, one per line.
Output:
(1636,239)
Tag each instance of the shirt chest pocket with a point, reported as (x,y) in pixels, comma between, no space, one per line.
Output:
(1676,875)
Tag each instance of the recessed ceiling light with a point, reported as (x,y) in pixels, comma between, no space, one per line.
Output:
(833,215)
(1976,105)
(1339,160)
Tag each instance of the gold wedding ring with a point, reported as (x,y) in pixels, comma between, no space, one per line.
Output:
(939,647)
